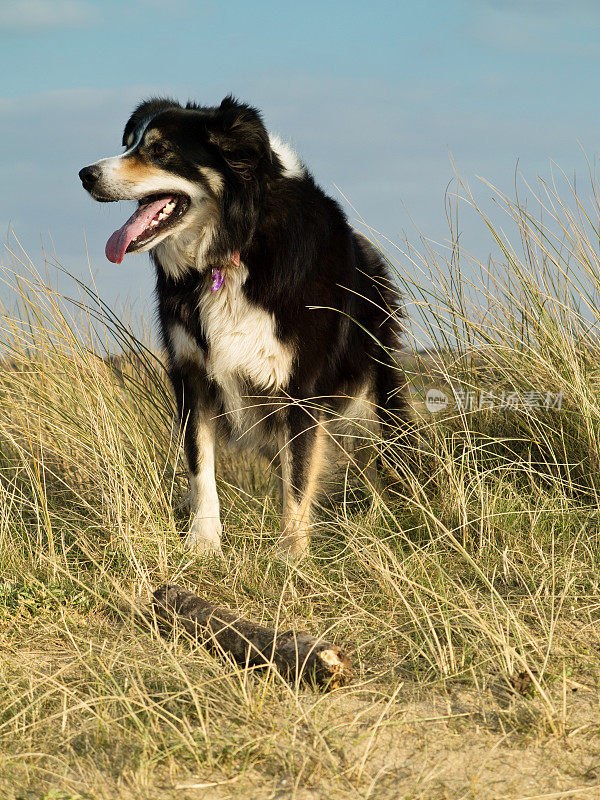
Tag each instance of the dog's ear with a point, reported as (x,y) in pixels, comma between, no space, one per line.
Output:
(240,135)
(144,112)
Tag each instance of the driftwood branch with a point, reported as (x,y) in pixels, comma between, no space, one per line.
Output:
(296,654)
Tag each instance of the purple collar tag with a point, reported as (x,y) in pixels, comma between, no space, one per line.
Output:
(217,279)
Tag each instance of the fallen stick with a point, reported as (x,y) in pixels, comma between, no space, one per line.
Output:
(296,654)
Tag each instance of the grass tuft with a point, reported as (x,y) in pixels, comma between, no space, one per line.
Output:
(467,593)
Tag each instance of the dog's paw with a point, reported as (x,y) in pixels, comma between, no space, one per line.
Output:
(204,536)
(294,544)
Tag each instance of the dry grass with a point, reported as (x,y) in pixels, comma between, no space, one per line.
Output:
(470,603)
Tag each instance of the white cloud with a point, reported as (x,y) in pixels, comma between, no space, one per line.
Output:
(28,15)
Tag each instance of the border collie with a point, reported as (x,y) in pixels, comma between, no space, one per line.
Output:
(277,317)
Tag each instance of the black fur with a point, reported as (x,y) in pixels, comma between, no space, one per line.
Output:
(328,288)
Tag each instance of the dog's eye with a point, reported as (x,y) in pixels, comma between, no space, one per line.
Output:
(158,149)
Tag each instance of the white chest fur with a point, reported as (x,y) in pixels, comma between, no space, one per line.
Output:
(242,346)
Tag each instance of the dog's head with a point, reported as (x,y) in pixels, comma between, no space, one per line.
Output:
(182,165)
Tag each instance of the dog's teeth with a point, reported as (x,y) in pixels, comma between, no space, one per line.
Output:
(163,214)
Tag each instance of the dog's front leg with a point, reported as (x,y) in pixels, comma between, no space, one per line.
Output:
(205,523)
(199,418)
(301,452)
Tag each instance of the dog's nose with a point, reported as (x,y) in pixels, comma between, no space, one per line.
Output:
(89,176)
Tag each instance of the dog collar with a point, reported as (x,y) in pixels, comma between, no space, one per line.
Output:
(217,272)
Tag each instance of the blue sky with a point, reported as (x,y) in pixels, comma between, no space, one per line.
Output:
(375,97)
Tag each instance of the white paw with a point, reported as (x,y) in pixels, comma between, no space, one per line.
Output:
(294,543)
(204,536)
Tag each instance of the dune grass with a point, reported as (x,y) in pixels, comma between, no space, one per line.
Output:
(468,597)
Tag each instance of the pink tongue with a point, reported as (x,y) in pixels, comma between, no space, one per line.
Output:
(136,224)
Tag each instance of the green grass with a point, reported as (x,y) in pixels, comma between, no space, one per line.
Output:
(469,599)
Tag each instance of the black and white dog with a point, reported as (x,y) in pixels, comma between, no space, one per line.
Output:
(277,317)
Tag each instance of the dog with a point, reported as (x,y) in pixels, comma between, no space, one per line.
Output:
(276,316)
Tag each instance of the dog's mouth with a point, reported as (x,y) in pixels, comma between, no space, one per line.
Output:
(153,217)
